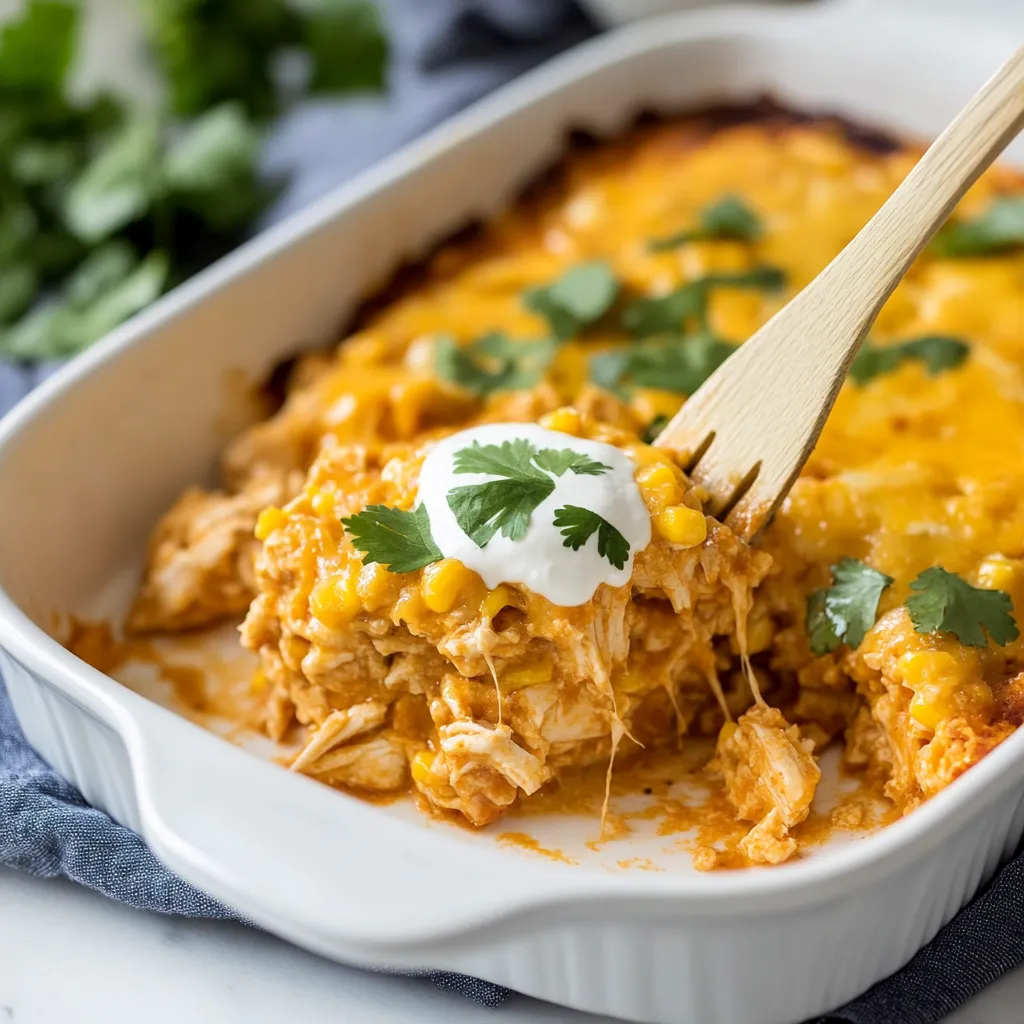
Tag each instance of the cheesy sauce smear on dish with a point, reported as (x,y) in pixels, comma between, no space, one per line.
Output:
(354,529)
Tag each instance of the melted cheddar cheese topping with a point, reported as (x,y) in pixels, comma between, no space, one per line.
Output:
(477,697)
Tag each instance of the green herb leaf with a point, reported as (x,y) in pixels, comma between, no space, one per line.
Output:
(999,228)
(579,298)
(504,505)
(95,302)
(937,352)
(687,305)
(346,42)
(577,525)
(215,50)
(849,607)
(216,150)
(400,540)
(654,428)
(673,364)
(18,224)
(507,504)
(36,48)
(946,602)
(119,186)
(559,460)
(820,634)
(18,286)
(730,218)
(494,362)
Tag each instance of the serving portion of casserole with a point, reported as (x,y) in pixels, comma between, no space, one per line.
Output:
(876,611)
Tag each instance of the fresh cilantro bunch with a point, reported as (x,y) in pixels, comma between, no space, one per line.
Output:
(211,51)
(103,207)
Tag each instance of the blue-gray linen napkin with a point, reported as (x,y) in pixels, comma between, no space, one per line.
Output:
(445,54)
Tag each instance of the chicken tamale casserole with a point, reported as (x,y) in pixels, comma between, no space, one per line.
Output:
(468,568)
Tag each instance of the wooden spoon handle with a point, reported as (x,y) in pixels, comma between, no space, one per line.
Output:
(866,272)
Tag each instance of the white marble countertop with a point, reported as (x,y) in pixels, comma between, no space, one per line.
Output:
(68,955)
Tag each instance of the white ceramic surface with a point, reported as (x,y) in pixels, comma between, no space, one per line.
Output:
(88,462)
(121,966)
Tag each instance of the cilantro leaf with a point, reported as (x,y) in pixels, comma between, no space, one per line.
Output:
(680,308)
(820,634)
(482,510)
(118,186)
(675,311)
(848,607)
(650,433)
(105,291)
(579,298)
(18,286)
(558,460)
(730,218)
(36,48)
(506,504)
(936,352)
(577,525)
(494,362)
(946,602)
(999,228)
(674,364)
(347,45)
(510,458)
(400,540)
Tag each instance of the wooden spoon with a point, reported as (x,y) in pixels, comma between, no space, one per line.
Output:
(753,423)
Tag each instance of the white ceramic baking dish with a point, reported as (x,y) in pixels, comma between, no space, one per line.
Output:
(89,461)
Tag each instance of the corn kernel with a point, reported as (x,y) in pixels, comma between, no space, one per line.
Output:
(934,676)
(335,600)
(682,525)
(323,504)
(659,485)
(421,766)
(565,420)
(727,732)
(997,572)
(443,583)
(269,520)
(409,608)
(529,674)
(649,403)
(632,681)
(497,599)
(259,681)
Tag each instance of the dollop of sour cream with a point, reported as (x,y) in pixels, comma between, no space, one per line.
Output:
(540,560)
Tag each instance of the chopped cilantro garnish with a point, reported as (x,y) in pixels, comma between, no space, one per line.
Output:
(558,460)
(936,352)
(945,602)
(672,364)
(846,610)
(395,538)
(579,298)
(730,217)
(506,504)
(687,305)
(577,525)
(999,228)
(650,433)
(494,362)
